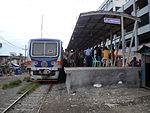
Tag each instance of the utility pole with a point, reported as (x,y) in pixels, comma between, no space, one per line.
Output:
(42,27)
(25,52)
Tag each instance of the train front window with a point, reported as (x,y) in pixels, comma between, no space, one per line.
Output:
(51,49)
(38,49)
(44,49)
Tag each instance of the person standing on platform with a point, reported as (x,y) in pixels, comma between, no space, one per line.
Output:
(82,55)
(99,54)
(88,57)
(76,58)
(105,59)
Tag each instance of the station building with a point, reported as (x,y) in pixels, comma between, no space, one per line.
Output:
(139,8)
(112,5)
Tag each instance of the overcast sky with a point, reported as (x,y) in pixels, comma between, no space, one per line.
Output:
(20,20)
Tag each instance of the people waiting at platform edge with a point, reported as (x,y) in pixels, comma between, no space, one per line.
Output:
(76,58)
(105,59)
(88,57)
(134,62)
(97,53)
(81,56)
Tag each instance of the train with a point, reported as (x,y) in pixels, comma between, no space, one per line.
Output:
(44,59)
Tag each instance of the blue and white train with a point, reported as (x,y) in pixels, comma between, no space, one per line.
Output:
(44,60)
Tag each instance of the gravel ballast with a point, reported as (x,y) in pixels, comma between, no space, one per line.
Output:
(97,100)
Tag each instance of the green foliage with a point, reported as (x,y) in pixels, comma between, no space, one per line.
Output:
(5,86)
(15,83)
(32,85)
(27,79)
(12,84)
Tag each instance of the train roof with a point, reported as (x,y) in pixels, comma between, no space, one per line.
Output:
(44,39)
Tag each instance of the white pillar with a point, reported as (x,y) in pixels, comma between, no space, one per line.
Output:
(123,40)
(136,31)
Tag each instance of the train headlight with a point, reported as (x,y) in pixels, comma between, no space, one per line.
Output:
(28,62)
(56,62)
(35,62)
(53,62)
(59,62)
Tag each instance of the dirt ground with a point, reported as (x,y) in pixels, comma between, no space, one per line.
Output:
(8,96)
(97,100)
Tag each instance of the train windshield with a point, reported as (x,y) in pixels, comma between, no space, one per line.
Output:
(44,49)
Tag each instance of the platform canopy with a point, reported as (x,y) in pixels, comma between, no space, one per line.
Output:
(93,27)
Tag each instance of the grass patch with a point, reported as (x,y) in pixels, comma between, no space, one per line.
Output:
(5,86)
(28,86)
(11,84)
(27,79)
(61,89)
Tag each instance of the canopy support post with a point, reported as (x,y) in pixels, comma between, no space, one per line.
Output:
(123,40)
(117,51)
(111,39)
(133,34)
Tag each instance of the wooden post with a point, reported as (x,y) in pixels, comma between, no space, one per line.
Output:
(117,51)
(123,40)
(111,39)
(129,50)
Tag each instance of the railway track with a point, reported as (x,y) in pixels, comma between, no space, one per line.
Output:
(30,102)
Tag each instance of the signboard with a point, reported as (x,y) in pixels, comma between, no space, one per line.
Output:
(112,20)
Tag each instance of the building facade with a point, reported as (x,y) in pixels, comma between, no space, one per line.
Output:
(112,5)
(139,8)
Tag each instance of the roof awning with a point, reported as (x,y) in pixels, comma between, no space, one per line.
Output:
(90,28)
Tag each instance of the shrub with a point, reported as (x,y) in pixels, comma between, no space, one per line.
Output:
(12,84)
(27,79)
(5,86)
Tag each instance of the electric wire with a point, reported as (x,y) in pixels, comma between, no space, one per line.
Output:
(12,44)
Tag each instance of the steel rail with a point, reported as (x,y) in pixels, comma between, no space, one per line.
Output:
(15,102)
(49,89)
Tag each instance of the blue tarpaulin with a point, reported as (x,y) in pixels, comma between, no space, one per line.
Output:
(15,67)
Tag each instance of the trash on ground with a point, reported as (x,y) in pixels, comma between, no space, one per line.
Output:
(97,85)
(120,82)
(112,105)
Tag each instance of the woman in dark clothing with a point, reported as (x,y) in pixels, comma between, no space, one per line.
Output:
(99,53)
(76,58)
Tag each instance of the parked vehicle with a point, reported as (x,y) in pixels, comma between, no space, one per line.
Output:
(1,72)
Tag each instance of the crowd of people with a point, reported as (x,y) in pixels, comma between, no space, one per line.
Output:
(84,58)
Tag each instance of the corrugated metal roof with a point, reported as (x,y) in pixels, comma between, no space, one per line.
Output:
(90,28)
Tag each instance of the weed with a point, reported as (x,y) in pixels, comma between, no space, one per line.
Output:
(5,86)
(15,83)
(27,79)
(61,89)
(11,84)
(32,85)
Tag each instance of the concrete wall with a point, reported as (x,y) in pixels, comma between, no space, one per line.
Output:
(108,77)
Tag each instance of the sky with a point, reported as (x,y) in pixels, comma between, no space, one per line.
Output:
(20,20)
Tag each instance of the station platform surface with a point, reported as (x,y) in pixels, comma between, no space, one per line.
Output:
(102,77)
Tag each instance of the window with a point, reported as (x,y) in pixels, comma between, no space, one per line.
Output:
(44,49)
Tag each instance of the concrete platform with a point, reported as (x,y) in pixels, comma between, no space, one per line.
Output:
(102,77)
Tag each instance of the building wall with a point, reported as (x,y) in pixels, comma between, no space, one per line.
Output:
(141,9)
(112,5)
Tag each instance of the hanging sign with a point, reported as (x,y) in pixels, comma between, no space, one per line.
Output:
(112,20)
